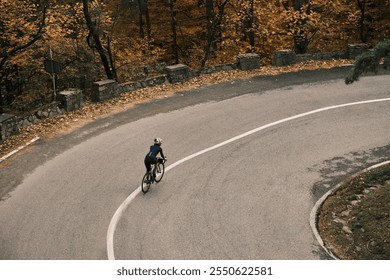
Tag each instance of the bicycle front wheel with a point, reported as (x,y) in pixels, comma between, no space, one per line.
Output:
(145,185)
(159,171)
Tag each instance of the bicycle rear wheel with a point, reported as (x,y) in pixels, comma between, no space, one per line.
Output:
(159,172)
(145,185)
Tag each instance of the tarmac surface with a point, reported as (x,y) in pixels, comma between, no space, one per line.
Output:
(248,199)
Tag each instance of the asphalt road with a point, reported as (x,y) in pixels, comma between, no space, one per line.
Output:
(249,199)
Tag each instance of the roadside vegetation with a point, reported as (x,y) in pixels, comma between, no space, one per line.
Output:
(128,40)
(371,61)
(354,221)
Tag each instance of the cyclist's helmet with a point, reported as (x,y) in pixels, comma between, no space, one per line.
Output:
(158,141)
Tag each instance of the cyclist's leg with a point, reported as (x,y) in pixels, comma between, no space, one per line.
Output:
(148,164)
(159,161)
(148,168)
(159,170)
(155,168)
(152,160)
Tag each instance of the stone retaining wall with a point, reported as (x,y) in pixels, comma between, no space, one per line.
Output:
(107,89)
(283,58)
(8,126)
(321,56)
(177,73)
(248,61)
(356,49)
(11,124)
(288,57)
(70,100)
(104,90)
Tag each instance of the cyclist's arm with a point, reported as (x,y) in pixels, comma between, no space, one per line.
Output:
(161,153)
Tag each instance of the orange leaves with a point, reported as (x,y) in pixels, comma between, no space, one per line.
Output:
(17,32)
(324,25)
(321,24)
(21,23)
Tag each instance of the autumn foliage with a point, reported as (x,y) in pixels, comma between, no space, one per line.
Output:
(132,39)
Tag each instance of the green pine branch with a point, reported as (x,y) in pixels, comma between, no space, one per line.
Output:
(370,61)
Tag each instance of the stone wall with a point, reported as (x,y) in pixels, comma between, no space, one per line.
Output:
(248,61)
(11,124)
(104,90)
(289,57)
(149,82)
(8,126)
(321,56)
(177,73)
(70,100)
(356,49)
(283,58)
(107,89)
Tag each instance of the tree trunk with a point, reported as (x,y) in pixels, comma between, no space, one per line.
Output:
(111,58)
(213,27)
(141,20)
(174,33)
(210,17)
(248,25)
(298,4)
(148,25)
(300,37)
(98,45)
(362,8)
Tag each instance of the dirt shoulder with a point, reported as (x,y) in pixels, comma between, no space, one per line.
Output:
(354,221)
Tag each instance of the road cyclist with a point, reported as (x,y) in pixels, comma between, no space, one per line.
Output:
(154,164)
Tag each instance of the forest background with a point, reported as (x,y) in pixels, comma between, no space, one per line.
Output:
(128,40)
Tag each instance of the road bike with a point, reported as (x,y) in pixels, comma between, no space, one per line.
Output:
(154,176)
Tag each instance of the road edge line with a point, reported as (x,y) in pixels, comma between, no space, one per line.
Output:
(18,149)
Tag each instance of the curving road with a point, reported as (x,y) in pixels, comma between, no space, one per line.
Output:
(248,199)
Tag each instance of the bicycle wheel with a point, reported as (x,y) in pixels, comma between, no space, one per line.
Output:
(145,185)
(159,172)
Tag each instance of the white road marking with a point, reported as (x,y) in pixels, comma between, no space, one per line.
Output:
(115,219)
(18,149)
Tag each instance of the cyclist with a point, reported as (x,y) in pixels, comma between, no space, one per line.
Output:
(151,156)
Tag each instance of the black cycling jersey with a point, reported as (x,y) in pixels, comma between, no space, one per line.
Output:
(154,151)
(151,157)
